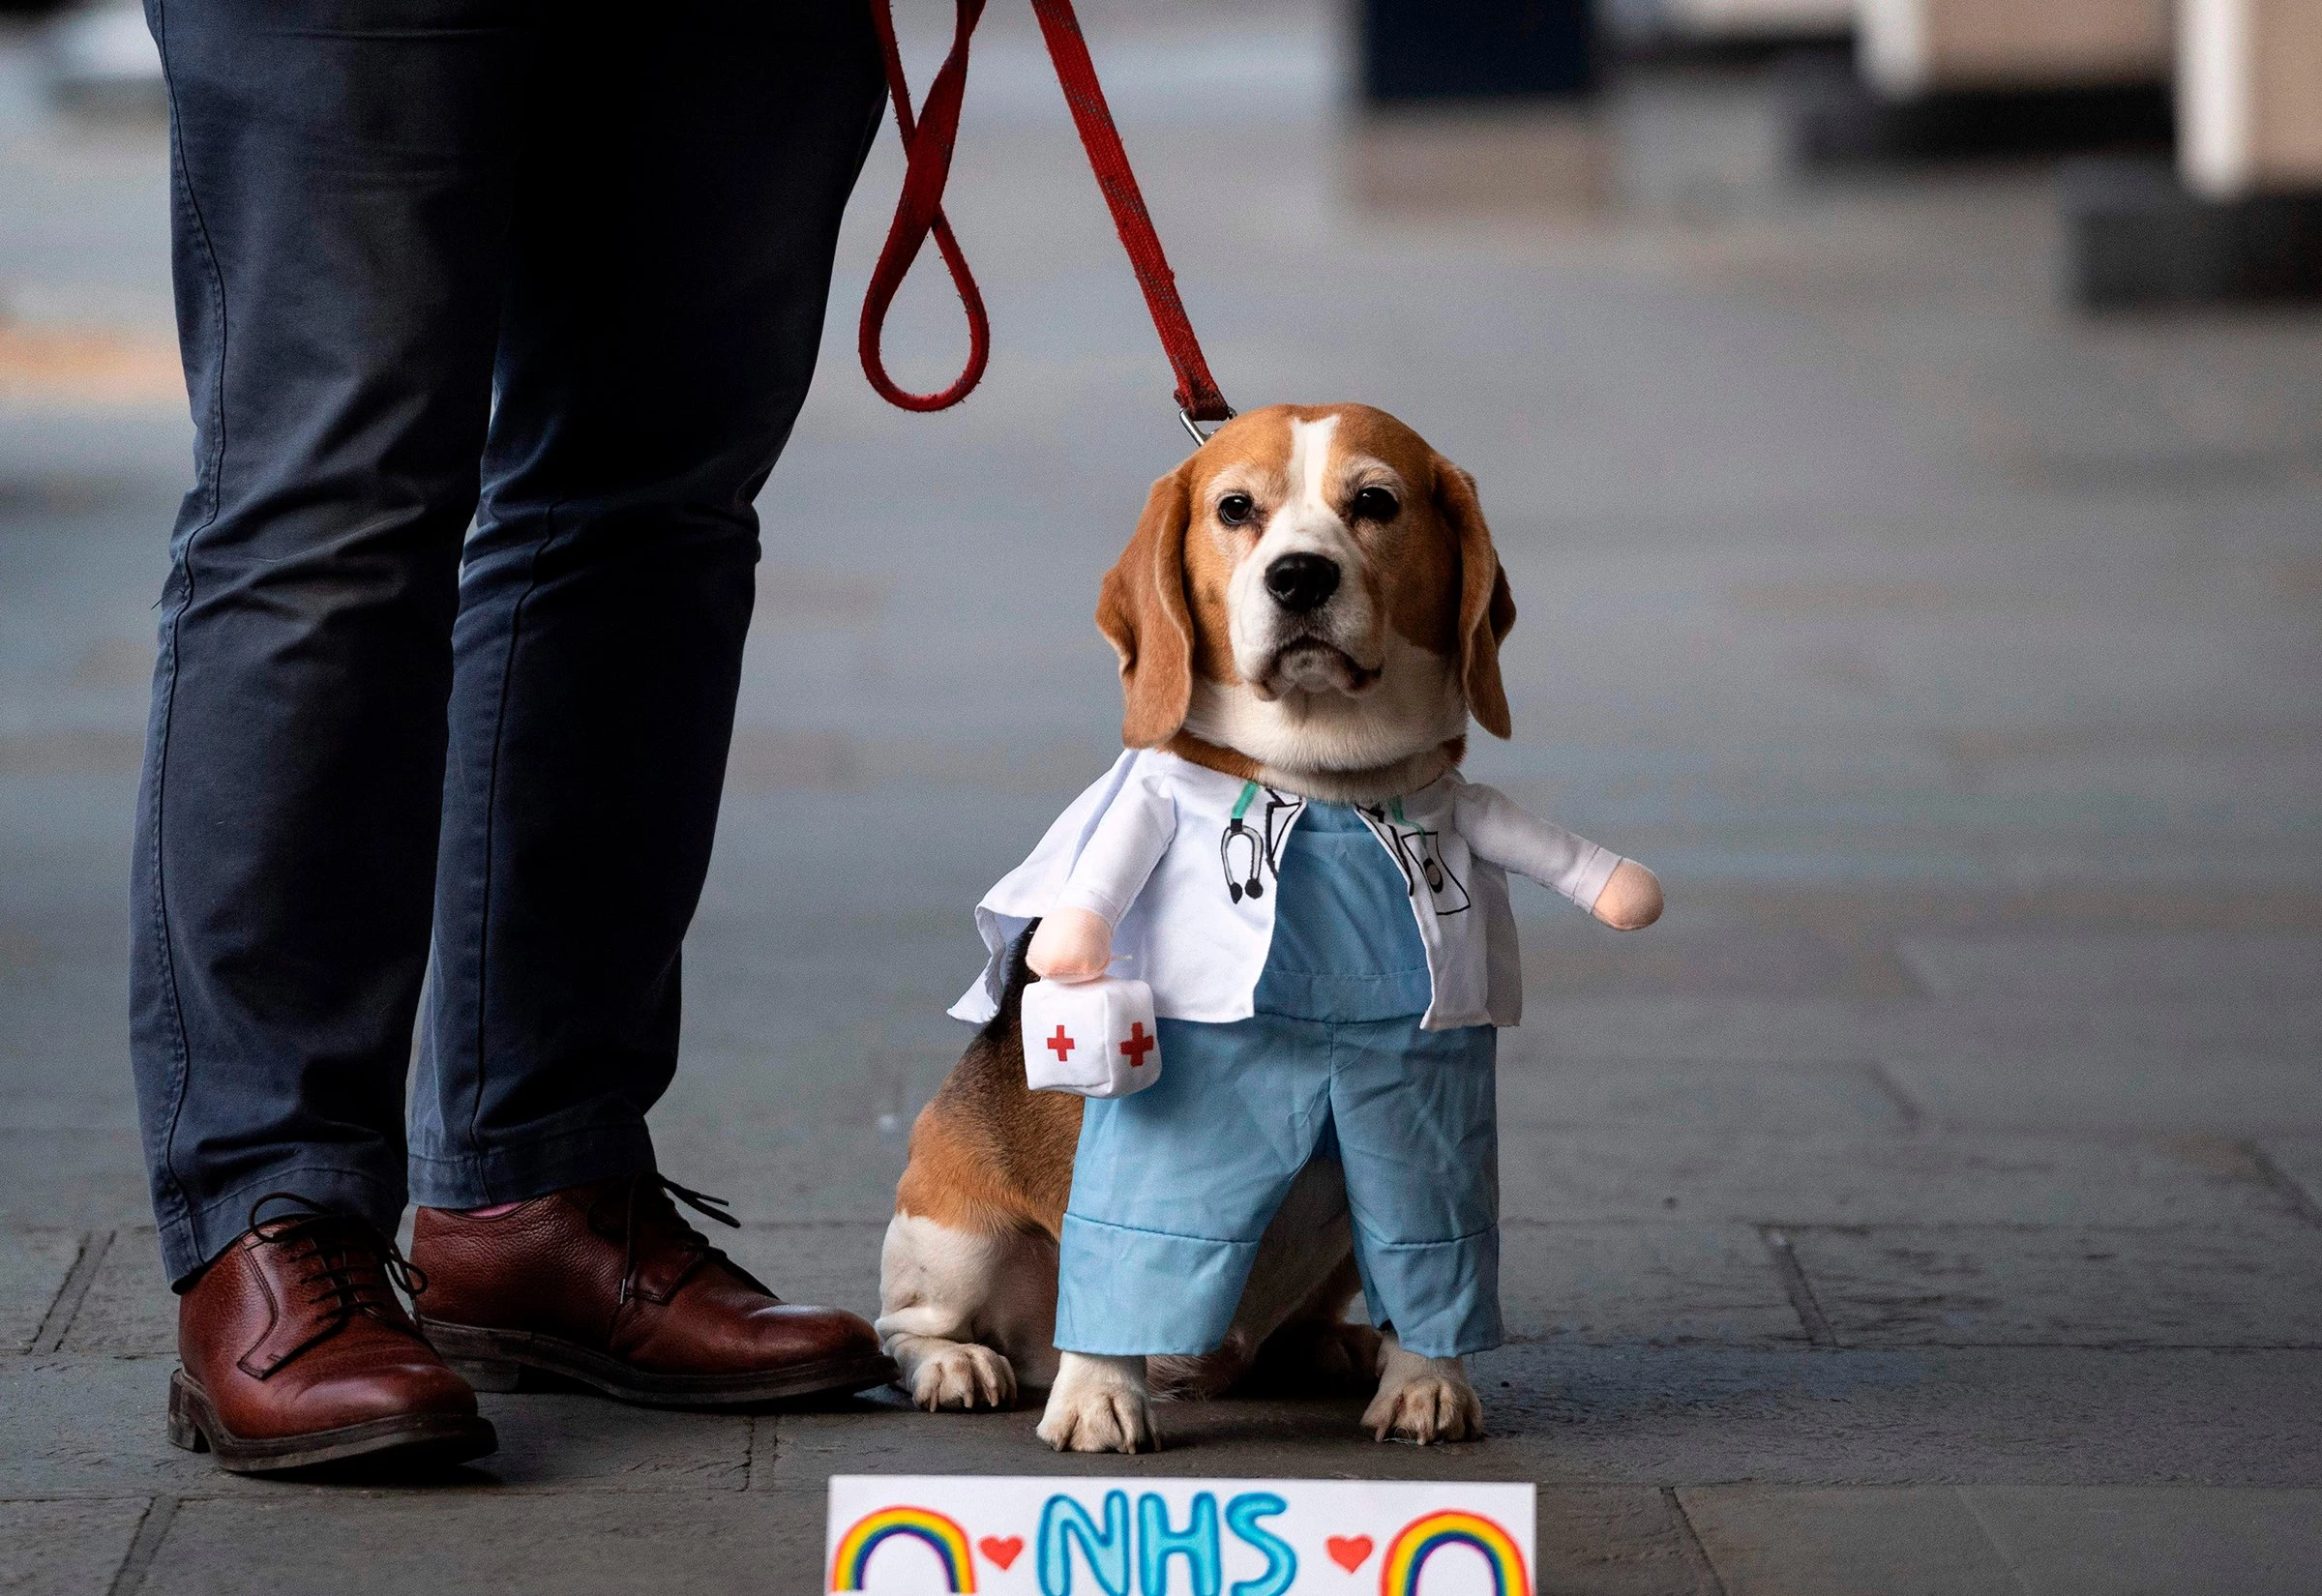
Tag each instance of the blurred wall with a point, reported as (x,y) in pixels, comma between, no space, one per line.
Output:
(2251,95)
(1913,46)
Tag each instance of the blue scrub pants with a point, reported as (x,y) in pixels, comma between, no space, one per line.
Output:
(1173,1187)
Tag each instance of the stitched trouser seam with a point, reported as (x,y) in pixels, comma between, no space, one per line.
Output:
(180,1048)
(492,788)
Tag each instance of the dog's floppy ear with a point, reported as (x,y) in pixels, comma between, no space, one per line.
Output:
(1143,613)
(1486,608)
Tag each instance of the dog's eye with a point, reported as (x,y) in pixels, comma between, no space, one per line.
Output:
(1376,504)
(1236,509)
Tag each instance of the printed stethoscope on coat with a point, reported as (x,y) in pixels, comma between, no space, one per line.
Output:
(1415,847)
(1257,847)
(1418,852)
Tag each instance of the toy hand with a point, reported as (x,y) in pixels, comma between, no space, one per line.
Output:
(1073,945)
(1631,901)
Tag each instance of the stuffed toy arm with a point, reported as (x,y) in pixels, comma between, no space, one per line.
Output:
(1075,938)
(1620,891)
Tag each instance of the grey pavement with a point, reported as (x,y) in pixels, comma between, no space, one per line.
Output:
(1933,1202)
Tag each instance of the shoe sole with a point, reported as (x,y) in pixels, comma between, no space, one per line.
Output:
(494,1360)
(414,1440)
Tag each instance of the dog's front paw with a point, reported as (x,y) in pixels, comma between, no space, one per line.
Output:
(1098,1405)
(963,1377)
(1422,1400)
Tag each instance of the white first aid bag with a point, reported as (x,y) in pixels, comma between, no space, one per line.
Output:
(1091,1038)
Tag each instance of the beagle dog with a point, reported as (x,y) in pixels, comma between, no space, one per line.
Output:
(1311,602)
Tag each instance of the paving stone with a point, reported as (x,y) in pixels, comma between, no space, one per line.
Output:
(1989,1415)
(2154,1541)
(33,1266)
(1710,949)
(130,1311)
(1693,1169)
(1674,1284)
(2299,1161)
(2150,1088)
(1613,1543)
(1896,1541)
(1772,1097)
(1746,1027)
(459,1542)
(2255,967)
(559,1442)
(1233,1436)
(1569,1414)
(2117,1066)
(1897,1285)
(65,1549)
(91,1427)
(89,1179)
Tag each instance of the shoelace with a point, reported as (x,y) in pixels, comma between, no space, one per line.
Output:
(353,1265)
(653,1190)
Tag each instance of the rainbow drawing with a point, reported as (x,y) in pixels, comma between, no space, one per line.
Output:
(917,1523)
(1423,1537)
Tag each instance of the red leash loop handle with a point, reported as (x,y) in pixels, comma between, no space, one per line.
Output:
(927,151)
(928,141)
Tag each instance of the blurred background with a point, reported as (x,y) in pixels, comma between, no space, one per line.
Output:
(1901,420)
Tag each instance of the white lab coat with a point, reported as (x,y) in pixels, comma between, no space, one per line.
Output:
(1148,849)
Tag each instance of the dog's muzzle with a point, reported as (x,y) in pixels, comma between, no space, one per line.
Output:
(1301,583)
(1311,631)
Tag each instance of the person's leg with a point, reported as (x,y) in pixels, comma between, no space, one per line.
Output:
(341,176)
(677,210)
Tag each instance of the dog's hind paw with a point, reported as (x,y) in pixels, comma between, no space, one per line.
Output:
(1422,1400)
(963,1377)
(1098,1405)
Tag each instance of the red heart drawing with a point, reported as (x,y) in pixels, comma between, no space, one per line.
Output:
(1347,1550)
(1004,1552)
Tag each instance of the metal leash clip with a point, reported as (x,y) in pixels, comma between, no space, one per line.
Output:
(1193,426)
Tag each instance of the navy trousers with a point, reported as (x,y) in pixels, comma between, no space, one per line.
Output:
(495,315)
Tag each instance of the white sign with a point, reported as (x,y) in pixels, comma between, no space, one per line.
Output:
(938,1535)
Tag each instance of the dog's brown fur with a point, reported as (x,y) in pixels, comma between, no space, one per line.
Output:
(987,1152)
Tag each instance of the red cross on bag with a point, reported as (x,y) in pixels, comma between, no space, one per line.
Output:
(1137,1045)
(1091,1038)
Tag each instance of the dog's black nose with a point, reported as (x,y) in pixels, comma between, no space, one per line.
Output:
(1300,582)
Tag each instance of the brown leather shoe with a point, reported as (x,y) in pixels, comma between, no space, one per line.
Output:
(608,1284)
(297,1351)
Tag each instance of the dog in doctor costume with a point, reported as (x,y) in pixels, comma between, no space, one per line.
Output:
(1308,616)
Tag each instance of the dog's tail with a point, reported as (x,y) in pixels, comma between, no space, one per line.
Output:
(1006,1024)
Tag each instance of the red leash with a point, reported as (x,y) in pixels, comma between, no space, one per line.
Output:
(928,139)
